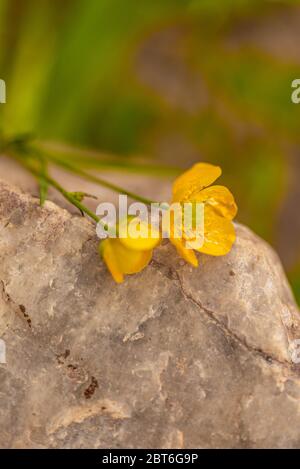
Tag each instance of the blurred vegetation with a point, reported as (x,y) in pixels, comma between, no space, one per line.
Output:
(126,76)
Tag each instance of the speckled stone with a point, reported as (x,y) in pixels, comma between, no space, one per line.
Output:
(173,358)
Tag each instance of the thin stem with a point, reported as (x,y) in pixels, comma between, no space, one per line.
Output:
(72,199)
(67,195)
(80,172)
(88,159)
(21,143)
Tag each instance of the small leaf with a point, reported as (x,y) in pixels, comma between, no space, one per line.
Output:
(81,195)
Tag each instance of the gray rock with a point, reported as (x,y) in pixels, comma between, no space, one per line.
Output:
(173,358)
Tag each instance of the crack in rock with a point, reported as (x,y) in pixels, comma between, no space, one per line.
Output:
(20,310)
(268,357)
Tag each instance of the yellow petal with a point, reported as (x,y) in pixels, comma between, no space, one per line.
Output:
(130,261)
(201,175)
(138,235)
(120,260)
(109,257)
(220,199)
(187,254)
(219,234)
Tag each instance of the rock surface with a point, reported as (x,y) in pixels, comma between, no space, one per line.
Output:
(173,358)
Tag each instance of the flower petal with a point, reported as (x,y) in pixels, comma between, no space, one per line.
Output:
(201,175)
(187,254)
(109,256)
(131,261)
(120,260)
(220,199)
(219,234)
(138,235)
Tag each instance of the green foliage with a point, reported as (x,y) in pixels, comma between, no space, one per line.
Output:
(259,87)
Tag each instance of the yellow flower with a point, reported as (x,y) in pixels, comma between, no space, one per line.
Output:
(219,211)
(132,251)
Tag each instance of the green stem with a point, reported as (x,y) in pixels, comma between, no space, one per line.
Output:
(67,195)
(94,160)
(21,143)
(80,172)
(71,198)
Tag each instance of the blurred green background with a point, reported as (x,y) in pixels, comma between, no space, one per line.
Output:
(174,80)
